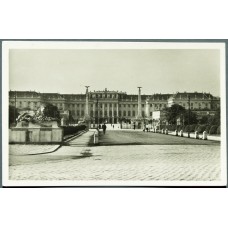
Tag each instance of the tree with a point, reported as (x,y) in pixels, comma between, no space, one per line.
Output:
(51,110)
(204,120)
(177,111)
(215,120)
(174,112)
(192,118)
(13,114)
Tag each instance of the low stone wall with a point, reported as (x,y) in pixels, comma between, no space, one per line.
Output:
(35,135)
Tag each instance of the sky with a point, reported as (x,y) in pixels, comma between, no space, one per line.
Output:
(68,71)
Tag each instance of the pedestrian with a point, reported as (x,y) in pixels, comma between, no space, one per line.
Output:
(104,128)
(113,126)
(147,127)
(134,126)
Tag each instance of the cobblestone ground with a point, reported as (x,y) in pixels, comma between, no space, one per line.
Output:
(134,163)
(31,149)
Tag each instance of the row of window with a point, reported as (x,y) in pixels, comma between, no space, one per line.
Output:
(186,104)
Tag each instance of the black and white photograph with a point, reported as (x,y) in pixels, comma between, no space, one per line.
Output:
(89,113)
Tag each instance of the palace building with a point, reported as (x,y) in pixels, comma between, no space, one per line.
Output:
(112,106)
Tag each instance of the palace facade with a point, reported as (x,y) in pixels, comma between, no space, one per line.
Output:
(112,106)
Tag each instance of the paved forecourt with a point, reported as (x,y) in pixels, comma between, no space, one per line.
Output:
(162,157)
(131,137)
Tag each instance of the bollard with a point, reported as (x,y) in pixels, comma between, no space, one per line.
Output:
(204,135)
(166,131)
(181,133)
(176,133)
(95,137)
(196,135)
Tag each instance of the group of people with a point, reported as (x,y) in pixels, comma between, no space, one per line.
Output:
(146,127)
(103,127)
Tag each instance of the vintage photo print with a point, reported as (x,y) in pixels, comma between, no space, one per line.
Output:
(86,113)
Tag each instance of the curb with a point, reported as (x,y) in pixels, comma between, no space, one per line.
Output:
(48,151)
(200,136)
(74,136)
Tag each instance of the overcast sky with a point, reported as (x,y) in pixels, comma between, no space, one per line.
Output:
(157,71)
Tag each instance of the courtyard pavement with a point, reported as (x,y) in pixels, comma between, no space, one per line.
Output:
(123,156)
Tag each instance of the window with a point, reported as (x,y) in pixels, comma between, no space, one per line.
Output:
(91,113)
(78,114)
(129,106)
(105,113)
(142,105)
(124,105)
(133,105)
(124,113)
(105,105)
(110,113)
(114,113)
(129,113)
(119,113)
(82,112)
(143,113)
(119,105)
(150,113)
(133,113)
(151,105)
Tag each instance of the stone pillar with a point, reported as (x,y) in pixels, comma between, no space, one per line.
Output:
(94,111)
(147,113)
(112,113)
(87,102)
(87,116)
(117,112)
(103,110)
(108,112)
(139,104)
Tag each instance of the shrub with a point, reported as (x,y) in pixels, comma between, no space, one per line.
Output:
(69,130)
(171,127)
(201,128)
(219,130)
(208,128)
(187,128)
(213,129)
(192,128)
(196,127)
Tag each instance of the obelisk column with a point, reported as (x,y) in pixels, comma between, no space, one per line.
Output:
(139,104)
(108,113)
(94,111)
(117,113)
(87,102)
(147,108)
(112,113)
